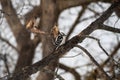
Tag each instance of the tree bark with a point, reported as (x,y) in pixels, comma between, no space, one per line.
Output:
(48,19)
(24,44)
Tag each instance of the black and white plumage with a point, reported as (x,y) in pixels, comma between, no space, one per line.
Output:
(60,39)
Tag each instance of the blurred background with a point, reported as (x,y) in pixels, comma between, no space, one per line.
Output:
(19,47)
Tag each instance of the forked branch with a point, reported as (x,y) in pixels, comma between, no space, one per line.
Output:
(55,55)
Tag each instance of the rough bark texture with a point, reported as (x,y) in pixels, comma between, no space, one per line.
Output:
(24,44)
(48,19)
(49,11)
(68,46)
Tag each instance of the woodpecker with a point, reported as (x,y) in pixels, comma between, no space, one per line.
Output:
(60,39)
(55,31)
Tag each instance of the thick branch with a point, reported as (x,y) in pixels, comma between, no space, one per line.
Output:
(64,4)
(96,24)
(14,22)
(107,13)
(12,18)
(55,55)
(24,44)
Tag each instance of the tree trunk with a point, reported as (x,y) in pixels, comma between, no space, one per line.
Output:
(48,19)
(24,44)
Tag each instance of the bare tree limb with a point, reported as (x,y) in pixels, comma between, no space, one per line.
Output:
(4,58)
(93,60)
(109,28)
(76,21)
(98,43)
(96,24)
(71,70)
(53,73)
(84,19)
(111,55)
(1,38)
(36,41)
(36,11)
(6,64)
(55,55)
(64,4)
(117,47)
(92,10)
(12,18)
(107,13)
(22,36)
(4,12)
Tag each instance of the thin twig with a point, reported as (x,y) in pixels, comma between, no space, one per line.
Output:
(73,71)
(101,47)
(108,28)
(2,11)
(112,54)
(76,21)
(94,61)
(92,10)
(98,43)
(6,41)
(6,64)
(72,56)
(55,74)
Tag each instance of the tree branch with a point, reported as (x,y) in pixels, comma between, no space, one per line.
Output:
(53,73)
(111,55)
(64,4)
(109,28)
(107,13)
(71,70)
(24,44)
(6,41)
(6,64)
(55,55)
(76,21)
(98,41)
(93,60)
(36,11)
(12,18)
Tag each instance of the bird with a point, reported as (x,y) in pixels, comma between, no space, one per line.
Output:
(58,37)
(55,31)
